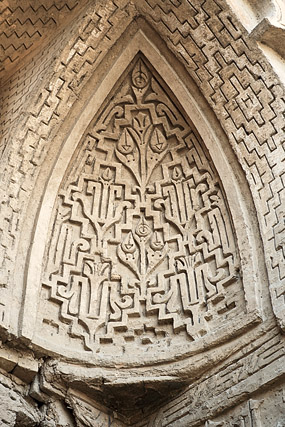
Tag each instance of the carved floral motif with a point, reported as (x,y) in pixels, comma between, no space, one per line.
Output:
(142,246)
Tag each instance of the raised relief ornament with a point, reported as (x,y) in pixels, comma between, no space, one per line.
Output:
(141,250)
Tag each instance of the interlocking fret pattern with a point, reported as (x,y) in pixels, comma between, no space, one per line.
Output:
(224,62)
(142,247)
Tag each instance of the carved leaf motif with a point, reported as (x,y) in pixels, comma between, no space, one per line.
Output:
(156,257)
(107,175)
(143,229)
(142,246)
(140,78)
(127,152)
(157,243)
(128,253)
(126,142)
(157,141)
(129,246)
(141,123)
(176,174)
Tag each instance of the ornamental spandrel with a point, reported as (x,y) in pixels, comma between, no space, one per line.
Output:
(142,251)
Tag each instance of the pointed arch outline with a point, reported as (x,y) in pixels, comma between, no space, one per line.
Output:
(245,239)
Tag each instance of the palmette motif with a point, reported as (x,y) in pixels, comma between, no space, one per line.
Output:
(142,247)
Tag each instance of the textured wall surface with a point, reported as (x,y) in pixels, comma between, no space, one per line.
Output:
(77,77)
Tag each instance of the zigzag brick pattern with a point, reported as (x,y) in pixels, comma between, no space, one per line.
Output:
(25,150)
(23,25)
(230,72)
(248,102)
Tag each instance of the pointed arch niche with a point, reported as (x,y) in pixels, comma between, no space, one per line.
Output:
(143,250)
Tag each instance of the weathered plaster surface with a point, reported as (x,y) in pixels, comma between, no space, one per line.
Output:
(160,302)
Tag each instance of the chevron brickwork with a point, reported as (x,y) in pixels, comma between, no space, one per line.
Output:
(50,51)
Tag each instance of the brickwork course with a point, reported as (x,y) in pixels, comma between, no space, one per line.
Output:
(53,54)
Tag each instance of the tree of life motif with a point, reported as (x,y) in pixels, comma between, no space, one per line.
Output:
(142,248)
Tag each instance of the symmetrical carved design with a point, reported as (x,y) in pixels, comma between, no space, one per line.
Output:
(220,58)
(142,247)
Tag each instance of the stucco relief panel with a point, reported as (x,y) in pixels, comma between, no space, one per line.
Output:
(142,250)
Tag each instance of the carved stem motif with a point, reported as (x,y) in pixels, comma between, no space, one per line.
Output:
(142,246)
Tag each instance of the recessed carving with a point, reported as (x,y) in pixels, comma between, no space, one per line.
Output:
(141,247)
